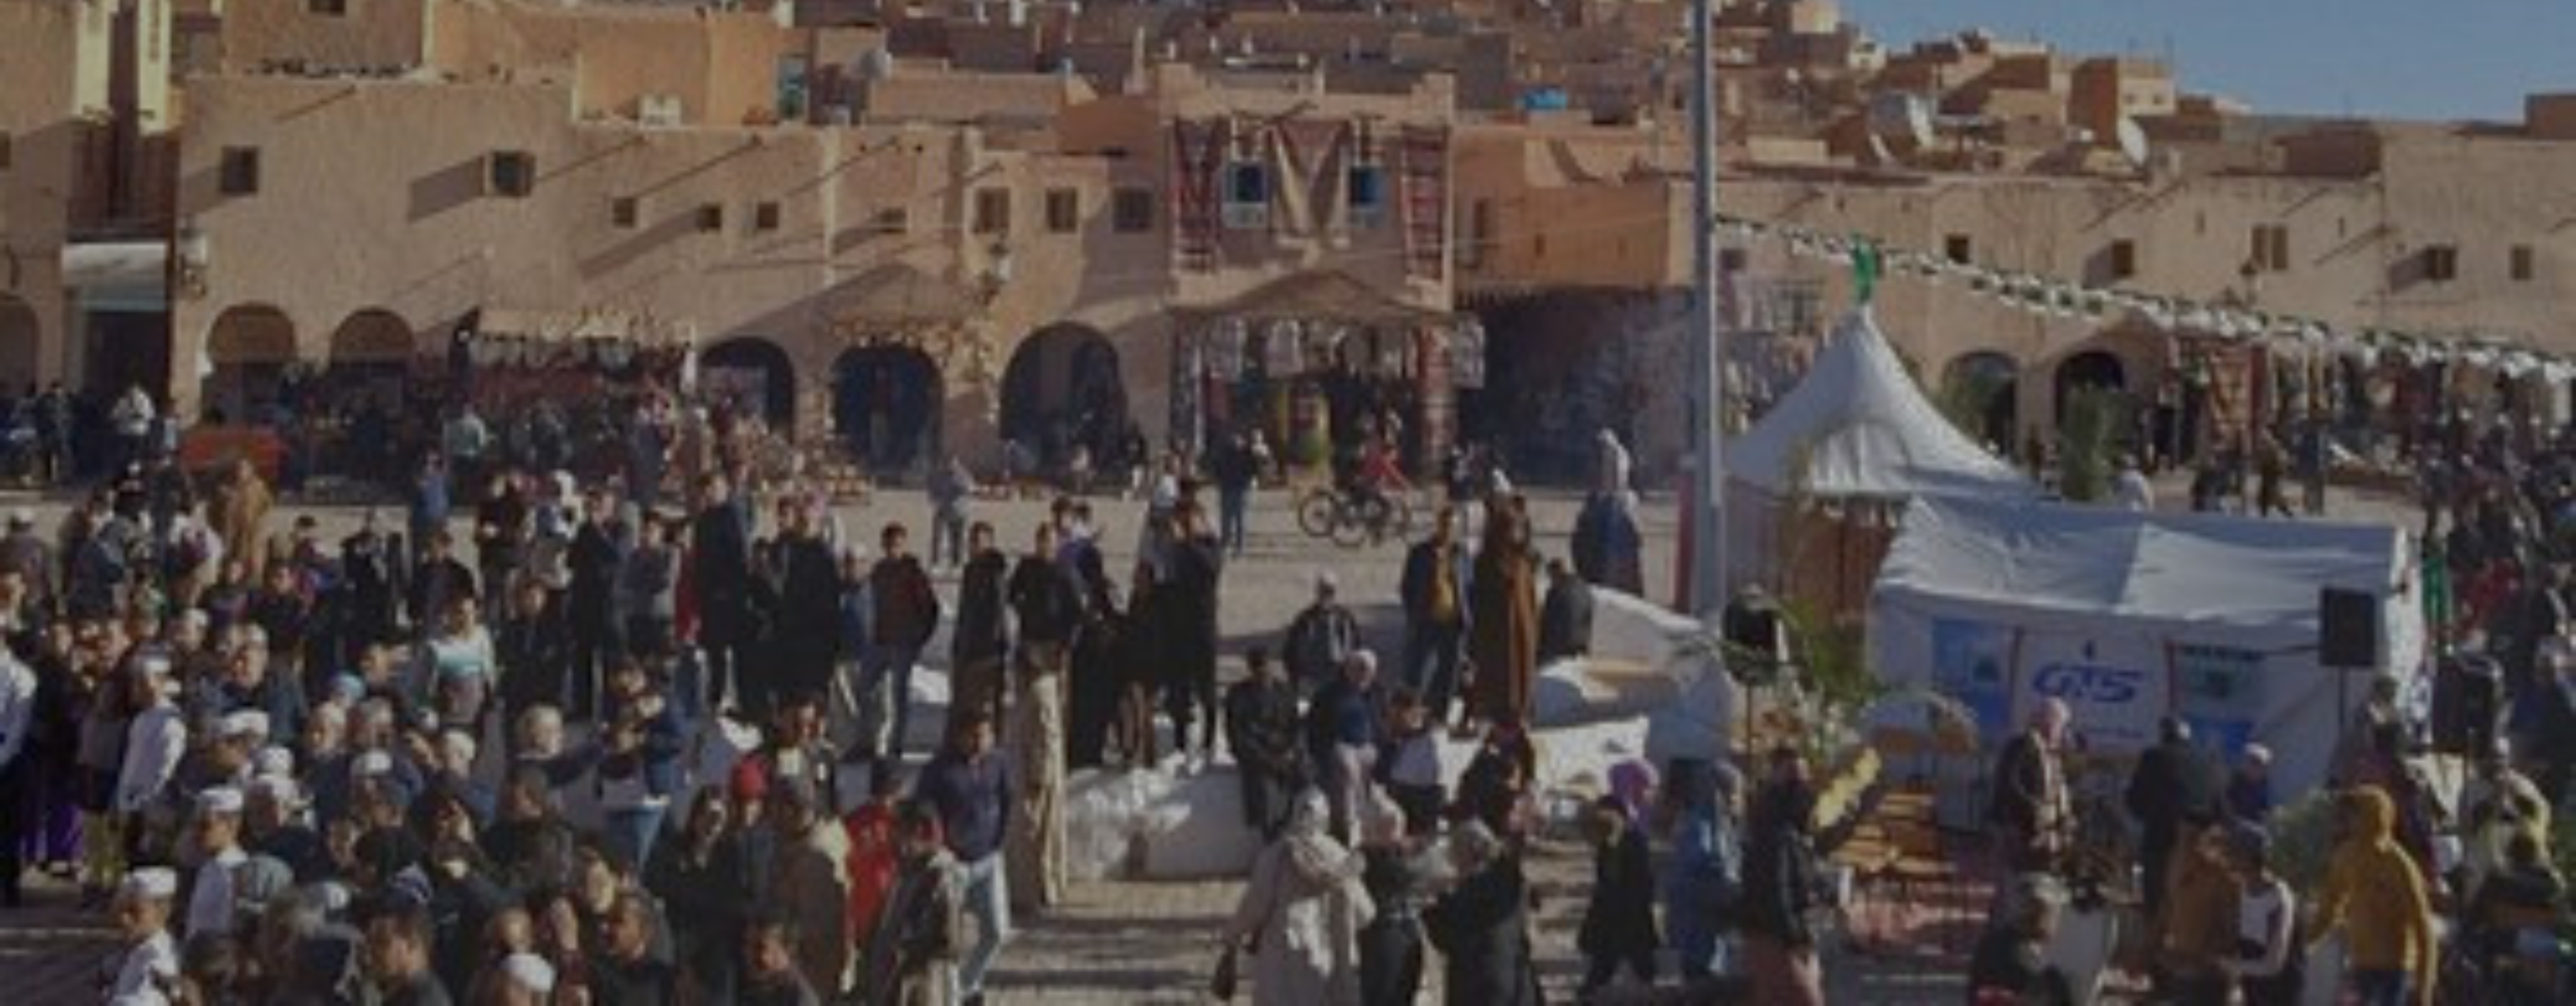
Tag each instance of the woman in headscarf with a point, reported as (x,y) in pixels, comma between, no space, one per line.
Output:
(1302,914)
(1782,889)
(1482,925)
(1502,597)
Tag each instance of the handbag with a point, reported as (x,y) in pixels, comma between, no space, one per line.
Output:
(1222,985)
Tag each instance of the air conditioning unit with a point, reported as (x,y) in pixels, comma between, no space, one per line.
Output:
(1247,216)
(658,110)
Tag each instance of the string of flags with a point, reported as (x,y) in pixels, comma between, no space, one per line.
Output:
(2060,299)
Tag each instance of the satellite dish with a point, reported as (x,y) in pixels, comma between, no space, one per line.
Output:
(1902,118)
(875,64)
(2133,142)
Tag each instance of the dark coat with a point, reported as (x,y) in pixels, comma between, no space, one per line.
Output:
(1261,729)
(596,561)
(1565,621)
(1621,920)
(720,575)
(907,609)
(1046,599)
(1482,930)
(982,634)
(1780,876)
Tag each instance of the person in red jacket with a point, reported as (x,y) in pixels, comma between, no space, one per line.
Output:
(875,853)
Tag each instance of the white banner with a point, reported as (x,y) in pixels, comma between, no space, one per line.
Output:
(2117,688)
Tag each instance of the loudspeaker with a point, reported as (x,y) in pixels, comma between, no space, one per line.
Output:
(2347,629)
(2468,703)
(1754,624)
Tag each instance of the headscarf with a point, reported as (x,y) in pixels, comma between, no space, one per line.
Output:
(1310,846)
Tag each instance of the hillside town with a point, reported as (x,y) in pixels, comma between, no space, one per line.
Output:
(523,501)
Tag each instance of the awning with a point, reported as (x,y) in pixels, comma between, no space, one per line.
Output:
(1322,296)
(118,275)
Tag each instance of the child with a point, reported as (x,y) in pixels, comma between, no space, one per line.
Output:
(913,954)
(1409,768)
(1619,927)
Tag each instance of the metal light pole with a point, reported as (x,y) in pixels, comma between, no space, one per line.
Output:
(1708,374)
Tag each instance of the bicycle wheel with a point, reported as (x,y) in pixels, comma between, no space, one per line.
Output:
(1318,513)
(1358,523)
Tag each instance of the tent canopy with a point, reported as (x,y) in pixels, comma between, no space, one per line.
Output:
(2129,617)
(2159,572)
(1865,430)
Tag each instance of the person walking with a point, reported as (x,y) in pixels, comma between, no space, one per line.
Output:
(1781,890)
(597,558)
(2376,897)
(1186,608)
(1237,470)
(2174,782)
(1503,643)
(2032,811)
(1481,926)
(719,579)
(1302,913)
(982,638)
(1619,925)
(1703,879)
(1434,592)
(1046,604)
(806,631)
(951,487)
(971,789)
(1398,879)
(906,615)
(1565,619)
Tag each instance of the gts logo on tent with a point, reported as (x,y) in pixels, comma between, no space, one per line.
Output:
(2109,686)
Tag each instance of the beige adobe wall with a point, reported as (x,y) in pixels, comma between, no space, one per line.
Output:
(54,110)
(721,66)
(371,34)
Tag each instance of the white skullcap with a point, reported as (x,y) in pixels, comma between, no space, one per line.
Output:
(374,763)
(273,762)
(278,789)
(149,665)
(151,882)
(1325,580)
(220,800)
(22,517)
(2258,754)
(243,723)
(529,972)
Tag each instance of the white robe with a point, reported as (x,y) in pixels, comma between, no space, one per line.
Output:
(210,905)
(1304,907)
(153,744)
(144,969)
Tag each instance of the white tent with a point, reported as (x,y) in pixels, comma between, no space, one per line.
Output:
(1856,428)
(2131,617)
(1862,428)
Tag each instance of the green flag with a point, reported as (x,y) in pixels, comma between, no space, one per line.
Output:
(1865,263)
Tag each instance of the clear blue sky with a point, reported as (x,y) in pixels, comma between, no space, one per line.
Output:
(2417,59)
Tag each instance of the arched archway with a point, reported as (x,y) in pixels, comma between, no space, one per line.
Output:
(250,348)
(2096,369)
(1982,391)
(885,405)
(751,373)
(19,335)
(1061,389)
(370,361)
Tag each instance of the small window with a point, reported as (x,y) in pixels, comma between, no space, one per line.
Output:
(1958,248)
(711,217)
(624,213)
(2270,248)
(1368,195)
(992,211)
(2524,265)
(1132,211)
(1064,211)
(764,217)
(328,8)
(510,173)
(2124,259)
(2441,263)
(1247,195)
(6,154)
(891,220)
(240,171)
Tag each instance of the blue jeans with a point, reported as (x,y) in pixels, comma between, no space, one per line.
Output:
(2380,988)
(988,900)
(1231,507)
(886,679)
(1431,657)
(630,833)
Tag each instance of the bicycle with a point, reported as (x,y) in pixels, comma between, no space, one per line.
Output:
(1351,519)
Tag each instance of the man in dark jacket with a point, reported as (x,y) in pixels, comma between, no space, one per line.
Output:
(1186,615)
(805,630)
(597,558)
(971,789)
(1261,729)
(2031,809)
(907,613)
(720,584)
(1565,620)
(2174,781)
(1435,614)
(1321,637)
(982,637)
